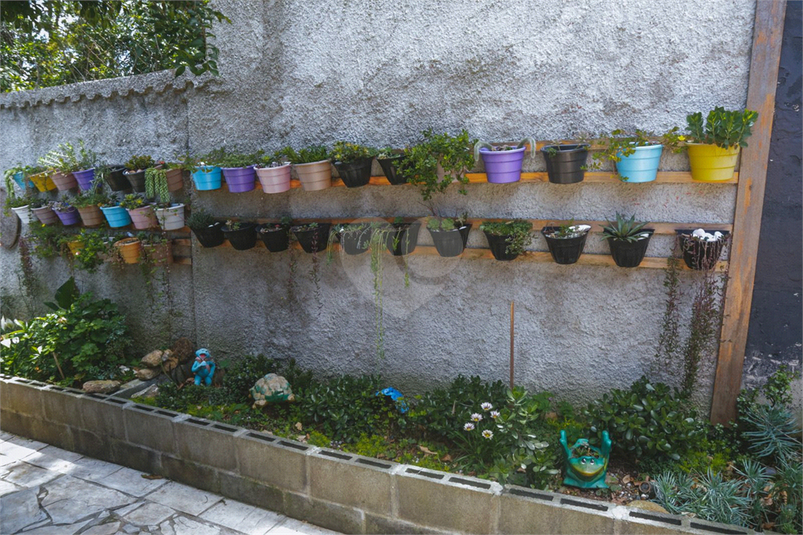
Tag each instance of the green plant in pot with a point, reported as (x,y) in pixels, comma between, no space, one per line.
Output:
(353,163)
(714,145)
(389,161)
(312,166)
(450,235)
(508,239)
(628,240)
(566,242)
(135,171)
(241,234)
(276,235)
(142,214)
(503,163)
(565,163)
(95,247)
(71,166)
(206,228)
(437,161)
(637,155)
(403,237)
(354,237)
(88,204)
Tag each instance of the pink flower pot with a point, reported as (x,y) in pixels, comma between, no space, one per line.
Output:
(274,179)
(143,218)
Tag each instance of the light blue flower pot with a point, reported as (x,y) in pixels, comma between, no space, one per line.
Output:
(19,178)
(116,216)
(207,178)
(642,165)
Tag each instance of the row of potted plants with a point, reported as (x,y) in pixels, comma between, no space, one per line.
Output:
(713,146)
(93,208)
(627,238)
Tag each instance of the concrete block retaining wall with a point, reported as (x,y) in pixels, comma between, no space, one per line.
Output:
(336,490)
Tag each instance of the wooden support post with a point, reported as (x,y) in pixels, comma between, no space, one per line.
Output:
(767,38)
(512,336)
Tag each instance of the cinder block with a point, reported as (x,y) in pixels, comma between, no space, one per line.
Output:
(62,406)
(381,524)
(97,446)
(528,511)
(150,427)
(16,423)
(206,443)
(447,501)
(190,473)
(249,491)
(21,396)
(629,521)
(104,416)
(351,480)
(703,526)
(136,457)
(278,462)
(325,514)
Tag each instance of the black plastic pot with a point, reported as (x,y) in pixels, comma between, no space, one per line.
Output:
(312,240)
(389,167)
(566,165)
(210,236)
(117,180)
(403,239)
(564,250)
(498,245)
(137,180)
(700,255)
(276,239)
(450,242)
(629,254)
(356,242)
(243,238)
(355,174)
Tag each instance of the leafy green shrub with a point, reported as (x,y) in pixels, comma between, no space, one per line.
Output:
(84,341)
(452,153)
(439,412)
(346,407)
(646,421)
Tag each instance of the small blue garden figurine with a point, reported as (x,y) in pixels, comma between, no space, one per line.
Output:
(203,367)
(586,465)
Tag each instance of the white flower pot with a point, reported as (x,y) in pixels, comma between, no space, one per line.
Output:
(23,213)
(171,218)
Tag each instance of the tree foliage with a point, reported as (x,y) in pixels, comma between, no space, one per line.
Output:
(49,43)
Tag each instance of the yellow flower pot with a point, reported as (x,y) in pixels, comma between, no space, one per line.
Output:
(710,163)
(42,182)
(75,246)
(129,249)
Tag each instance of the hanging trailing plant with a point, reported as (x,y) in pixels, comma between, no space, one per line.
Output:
(453,154)
(156,185)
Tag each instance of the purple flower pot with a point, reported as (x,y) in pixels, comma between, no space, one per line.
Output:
(70,217)
(503,166)
(85,178)
(240,179)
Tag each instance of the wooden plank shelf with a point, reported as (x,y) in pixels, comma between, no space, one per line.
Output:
(543,257)
(667,229)
(664,177)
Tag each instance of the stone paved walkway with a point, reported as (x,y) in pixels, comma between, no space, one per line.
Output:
(47,490)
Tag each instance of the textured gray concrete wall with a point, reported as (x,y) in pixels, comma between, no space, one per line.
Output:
(379,73)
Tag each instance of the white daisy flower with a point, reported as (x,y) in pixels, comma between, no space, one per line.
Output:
(476,417)
(469,427)
(487,433)
(486,406)
(494,414)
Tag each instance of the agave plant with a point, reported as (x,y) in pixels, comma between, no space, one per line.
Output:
(625,229)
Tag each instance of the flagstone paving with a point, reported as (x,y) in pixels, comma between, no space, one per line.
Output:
(48,491)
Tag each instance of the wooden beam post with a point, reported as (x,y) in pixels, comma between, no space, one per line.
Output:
(767,39)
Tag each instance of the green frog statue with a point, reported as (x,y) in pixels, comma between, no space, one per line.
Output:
(586,465)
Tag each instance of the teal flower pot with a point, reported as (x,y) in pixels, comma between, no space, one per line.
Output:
(642,165)
(207,178)
(19,178)
(116,216)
